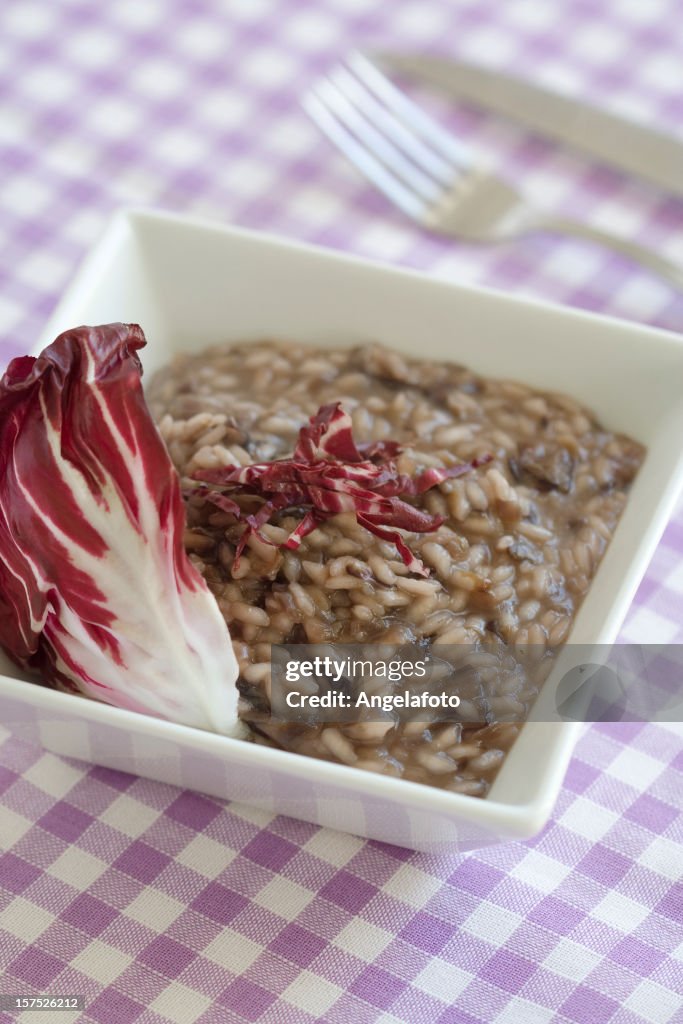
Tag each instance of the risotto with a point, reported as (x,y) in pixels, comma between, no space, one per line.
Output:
(521,538)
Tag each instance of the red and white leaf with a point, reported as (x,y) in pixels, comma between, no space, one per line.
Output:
(96,591)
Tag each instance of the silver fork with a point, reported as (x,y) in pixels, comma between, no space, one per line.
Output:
(430,175)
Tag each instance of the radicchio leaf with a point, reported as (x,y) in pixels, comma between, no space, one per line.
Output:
(328,474)
(96,591)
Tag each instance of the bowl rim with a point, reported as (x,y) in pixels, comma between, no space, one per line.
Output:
(521,820)
(129,216)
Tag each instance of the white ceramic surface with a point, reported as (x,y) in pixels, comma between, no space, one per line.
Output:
(191,283)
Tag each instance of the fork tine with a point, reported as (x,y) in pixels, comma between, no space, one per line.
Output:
(382,148)
(382,118)
(375,171)
(407,111)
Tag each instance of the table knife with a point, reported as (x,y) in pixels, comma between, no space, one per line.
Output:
(629,145)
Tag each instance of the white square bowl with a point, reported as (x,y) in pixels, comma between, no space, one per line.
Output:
(189,284)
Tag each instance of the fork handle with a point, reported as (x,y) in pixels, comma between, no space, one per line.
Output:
(670,271)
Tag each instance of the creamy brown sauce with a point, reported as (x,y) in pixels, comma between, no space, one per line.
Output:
(520,544)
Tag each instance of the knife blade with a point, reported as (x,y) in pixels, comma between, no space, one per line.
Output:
(624,143)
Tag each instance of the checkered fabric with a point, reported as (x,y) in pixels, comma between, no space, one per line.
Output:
(164,906)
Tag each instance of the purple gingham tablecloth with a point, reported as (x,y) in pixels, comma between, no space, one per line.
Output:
(162,906)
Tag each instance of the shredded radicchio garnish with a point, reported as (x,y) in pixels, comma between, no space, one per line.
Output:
(96,591)
(329,473)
